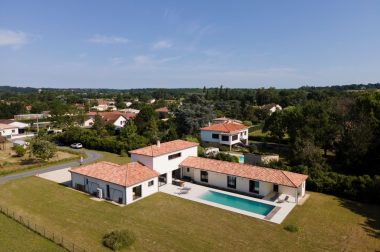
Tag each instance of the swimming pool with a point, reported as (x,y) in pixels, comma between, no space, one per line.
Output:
(236,202)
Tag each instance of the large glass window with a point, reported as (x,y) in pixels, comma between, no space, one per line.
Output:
(231,182)
(173,156)
(225,138)
(234,137)
(215,136)
(254,186)
(204,176)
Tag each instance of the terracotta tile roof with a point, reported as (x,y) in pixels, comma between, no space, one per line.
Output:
(225,127)
(124,175)
(162,110)
(280,177)
(164,148)
(110,116)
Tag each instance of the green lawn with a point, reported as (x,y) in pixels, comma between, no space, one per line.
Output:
(15,237)
(114,158)
(167,223)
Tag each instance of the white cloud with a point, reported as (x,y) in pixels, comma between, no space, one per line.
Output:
(142,60)
(12,38)
(102,39)
(162,44)
(117,61)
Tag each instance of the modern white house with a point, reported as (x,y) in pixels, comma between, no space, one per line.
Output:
(165,158)
(228,133)
(118,119)
(243,178)
(167,163)
(123,184)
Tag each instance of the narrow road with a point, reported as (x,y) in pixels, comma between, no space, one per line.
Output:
(91,157)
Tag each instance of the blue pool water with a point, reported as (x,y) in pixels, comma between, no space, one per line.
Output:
(239,203)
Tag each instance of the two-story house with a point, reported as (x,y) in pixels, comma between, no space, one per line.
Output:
(228,133)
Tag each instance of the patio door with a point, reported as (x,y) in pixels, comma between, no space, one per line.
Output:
(275,188)
(162,179)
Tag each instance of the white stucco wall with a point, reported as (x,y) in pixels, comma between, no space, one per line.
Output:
(206,136)
(220,180)
(145,190)
(9,132)
(120,122)
(89,122)
(162,164)
(116,191)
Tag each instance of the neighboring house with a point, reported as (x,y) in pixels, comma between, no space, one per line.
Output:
(123,184)
(12,127)
(129,110)
(165,158)
(116,118)
(23,117)
(243,178)
(271,108)
(104,105)
(163,112)
(128,104)
(151,101)
(229,133)
(7,130)
(225,120)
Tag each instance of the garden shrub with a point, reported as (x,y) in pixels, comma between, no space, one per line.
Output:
(20,150)
(291,228)
(118,239)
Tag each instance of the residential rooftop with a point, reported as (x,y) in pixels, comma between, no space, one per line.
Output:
(124,175)
(227,127)
(280,177)
(164,148)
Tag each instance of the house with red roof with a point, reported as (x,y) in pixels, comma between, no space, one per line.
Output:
(171,162)
(165,158)
(118,119)
(226,133)
(123,184)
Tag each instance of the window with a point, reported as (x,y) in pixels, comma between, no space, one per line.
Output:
(254,186)
(86,181)
(231,182)
(234,137)
(108,191)
(225,138)
(173,156)
(13,131)
(215,136)
(188,169)
(204,176)
(150,183)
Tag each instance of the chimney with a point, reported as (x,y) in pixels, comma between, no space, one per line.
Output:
(158,143)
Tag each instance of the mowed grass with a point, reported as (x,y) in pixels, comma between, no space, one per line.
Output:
(15,237)
(114,158)
(166,223)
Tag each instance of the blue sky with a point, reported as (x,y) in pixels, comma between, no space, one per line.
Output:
(133,44)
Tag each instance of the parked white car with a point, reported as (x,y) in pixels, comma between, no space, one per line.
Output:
(76,146)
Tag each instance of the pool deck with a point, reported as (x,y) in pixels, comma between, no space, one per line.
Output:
(277,215)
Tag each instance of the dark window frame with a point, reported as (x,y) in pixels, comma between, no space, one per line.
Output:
(108,191)
(224,138)
(204,176)
(174,156)
(229,180)
(151,183)
(215,136)
(235,137)
(252,186)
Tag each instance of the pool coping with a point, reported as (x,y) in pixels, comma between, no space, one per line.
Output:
(282,210)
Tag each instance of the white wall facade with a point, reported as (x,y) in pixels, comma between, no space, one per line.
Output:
(206,136)
(116,191)
(162,164)
(9,132)
(91,185)
(220,180)
(146,190)
(88,123)
(120,122)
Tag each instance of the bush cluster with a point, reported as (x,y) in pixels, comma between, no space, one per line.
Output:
(117,240)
